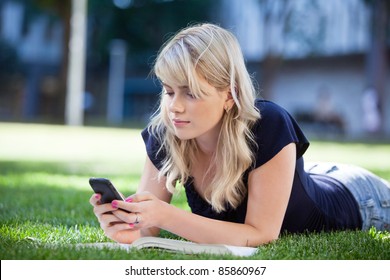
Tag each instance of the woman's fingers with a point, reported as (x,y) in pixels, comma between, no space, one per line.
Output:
(116,228)
(103,208)
(132,203)
(113,225)
(138,197)
(123,215)
(129,218)
(107,220)
(95,199)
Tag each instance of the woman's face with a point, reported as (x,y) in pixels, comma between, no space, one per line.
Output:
(196,118)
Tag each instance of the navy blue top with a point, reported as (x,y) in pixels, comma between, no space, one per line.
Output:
(317,202)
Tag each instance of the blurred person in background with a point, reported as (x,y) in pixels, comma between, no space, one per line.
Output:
(239,158)
(371,113)
(325,112)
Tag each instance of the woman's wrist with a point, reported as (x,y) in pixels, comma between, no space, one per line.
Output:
(165,215)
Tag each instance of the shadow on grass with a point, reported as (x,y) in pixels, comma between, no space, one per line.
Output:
(44,204)
(51,191)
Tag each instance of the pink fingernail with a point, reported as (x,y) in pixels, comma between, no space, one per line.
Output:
(114,204)
(129,199)
(131,225)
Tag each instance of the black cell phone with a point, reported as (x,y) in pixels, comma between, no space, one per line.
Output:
(106,189)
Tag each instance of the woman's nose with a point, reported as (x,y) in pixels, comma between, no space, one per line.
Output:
(176,105)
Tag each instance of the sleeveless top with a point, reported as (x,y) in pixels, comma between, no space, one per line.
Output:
(317,202)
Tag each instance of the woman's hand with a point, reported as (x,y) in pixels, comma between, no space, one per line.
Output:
(146,207)
(146,211)
(113,227)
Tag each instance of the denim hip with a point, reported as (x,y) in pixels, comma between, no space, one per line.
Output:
(371,192)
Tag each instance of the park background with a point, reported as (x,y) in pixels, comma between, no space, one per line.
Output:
(75,93)
(325,61)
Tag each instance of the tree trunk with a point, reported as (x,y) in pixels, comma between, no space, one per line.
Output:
(64,8)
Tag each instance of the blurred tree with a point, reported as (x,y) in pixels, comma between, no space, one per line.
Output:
(55,10)
(289,23)
(279,15)
(142,24)
(10,82)
(9,61)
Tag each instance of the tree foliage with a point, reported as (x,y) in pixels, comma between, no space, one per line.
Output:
(143,26)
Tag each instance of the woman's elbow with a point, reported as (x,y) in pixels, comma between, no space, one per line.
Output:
(264,238)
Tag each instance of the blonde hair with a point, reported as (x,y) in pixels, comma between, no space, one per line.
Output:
(213,53)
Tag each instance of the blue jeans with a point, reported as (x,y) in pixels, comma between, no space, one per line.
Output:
(371,192)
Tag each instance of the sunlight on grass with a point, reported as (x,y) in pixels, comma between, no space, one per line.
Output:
(379,235)
(124,147)
(43,179)
(39,233)
(116,148)
(370,156)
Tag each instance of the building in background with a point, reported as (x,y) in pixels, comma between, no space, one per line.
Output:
(298,48)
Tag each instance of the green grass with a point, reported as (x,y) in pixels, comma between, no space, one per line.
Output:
(44,194)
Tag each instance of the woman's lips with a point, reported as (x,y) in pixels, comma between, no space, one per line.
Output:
(179,123)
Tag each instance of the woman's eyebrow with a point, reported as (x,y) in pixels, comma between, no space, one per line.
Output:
(181,87)
(165,85)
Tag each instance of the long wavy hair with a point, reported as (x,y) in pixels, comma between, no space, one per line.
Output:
(213,53)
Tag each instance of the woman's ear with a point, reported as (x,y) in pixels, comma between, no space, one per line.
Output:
(229,102)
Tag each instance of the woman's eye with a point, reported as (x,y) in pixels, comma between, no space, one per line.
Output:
(189,94)
(169,93)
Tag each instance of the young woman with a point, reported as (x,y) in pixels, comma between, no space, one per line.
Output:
(239,158)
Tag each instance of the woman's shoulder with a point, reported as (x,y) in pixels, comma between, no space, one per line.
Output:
(275,129)
(153,144)
(268,108)
(272,116)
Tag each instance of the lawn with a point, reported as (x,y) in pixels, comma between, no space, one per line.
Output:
(44,194)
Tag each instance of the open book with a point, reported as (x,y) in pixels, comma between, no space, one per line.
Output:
(181,246)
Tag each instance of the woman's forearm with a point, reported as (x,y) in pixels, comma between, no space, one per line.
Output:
(204,230)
